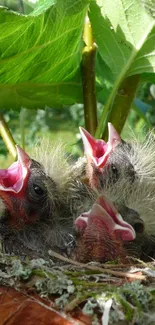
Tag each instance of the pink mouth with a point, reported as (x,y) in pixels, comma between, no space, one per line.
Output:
(13,178)
(99,150)
(105,212)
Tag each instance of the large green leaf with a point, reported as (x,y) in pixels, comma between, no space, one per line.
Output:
(125,35)
(40,54)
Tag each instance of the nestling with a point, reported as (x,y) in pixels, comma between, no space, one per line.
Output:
(124,172)
(43,204)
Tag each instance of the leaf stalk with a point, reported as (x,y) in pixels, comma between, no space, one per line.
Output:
(88,79)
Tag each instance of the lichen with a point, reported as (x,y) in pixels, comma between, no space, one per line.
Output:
(135,291)
(50,286)
(89,306)
(62,301)
(87,289)
(19,271)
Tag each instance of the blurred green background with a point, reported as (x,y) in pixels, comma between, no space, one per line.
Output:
(63,123)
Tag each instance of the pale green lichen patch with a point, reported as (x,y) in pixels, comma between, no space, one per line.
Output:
(96,293)
(55,286)
(19,271)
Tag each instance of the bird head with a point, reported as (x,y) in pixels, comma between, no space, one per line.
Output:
(98,151)
(24,188)
(102,232)
(107,162)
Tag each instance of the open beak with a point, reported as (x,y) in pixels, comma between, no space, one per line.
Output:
(104,213)
(99,150)
(13,179)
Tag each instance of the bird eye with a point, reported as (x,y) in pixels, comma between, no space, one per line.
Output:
(139,226)
(114,171)
(38,190)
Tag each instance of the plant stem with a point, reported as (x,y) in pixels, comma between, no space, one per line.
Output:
(107,111)
(77,301)
(122,103)
(117,107)
(96,268)
(7,137)
(88,79)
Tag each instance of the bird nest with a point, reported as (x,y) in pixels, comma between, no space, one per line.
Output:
(62,291)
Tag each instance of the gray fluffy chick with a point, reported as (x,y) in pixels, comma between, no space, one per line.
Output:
(35,215)
(43,198)
(125,173)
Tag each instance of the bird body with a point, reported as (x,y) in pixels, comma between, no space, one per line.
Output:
(42,214)
(126,177)
(36,216)
(43,202)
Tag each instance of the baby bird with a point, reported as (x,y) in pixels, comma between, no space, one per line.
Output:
(43,204)
(124,172)
(106,164)
(36,215)
(103,233)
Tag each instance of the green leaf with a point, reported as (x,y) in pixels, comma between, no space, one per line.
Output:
(125,35)
(40,55)
(37,95)
(148,77)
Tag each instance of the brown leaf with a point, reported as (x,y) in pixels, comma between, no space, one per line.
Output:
(17,308)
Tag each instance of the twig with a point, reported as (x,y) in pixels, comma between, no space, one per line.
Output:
(96,268)
(88,79)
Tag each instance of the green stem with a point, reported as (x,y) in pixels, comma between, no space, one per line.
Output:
(7,137)
(117,108)
(78,300)
(107,111)
(122,104)
(88,79)
(129,309)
